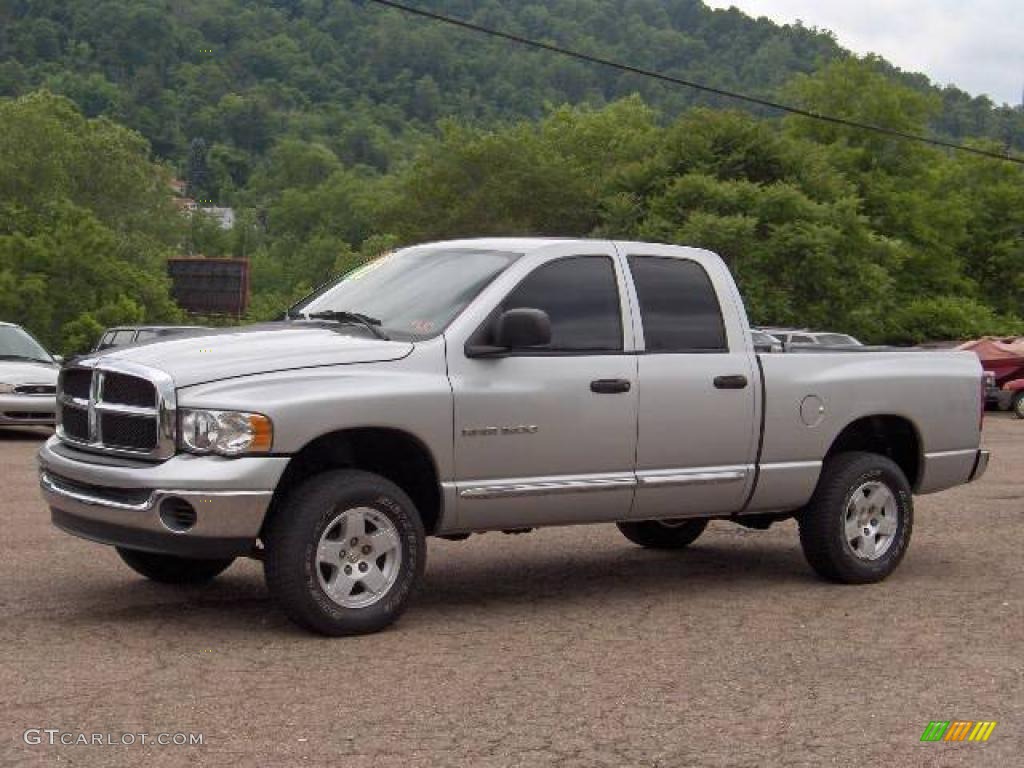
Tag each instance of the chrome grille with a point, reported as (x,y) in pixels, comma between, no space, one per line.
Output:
(74,422)
(128,390)
(117,407)
(137,433)
(76,383)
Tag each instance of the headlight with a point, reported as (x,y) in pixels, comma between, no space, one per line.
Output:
(6,389)
(227,433)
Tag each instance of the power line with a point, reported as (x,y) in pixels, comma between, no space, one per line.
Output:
(689,83)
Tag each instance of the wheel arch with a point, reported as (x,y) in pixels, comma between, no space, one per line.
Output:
(400,456)
(890,435)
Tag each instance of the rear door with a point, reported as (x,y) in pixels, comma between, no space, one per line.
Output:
(697,434)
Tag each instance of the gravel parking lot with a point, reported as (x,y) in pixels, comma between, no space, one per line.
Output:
(566,647)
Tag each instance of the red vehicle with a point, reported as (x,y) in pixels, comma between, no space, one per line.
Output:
(1003,361)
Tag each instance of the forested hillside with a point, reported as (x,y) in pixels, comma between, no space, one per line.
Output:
(241,73)
(338,130)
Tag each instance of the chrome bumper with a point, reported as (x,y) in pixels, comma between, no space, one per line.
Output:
(980,465)
(30,410)
(130,506)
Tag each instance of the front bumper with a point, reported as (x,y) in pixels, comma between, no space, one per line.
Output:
(27,410)
(190,506)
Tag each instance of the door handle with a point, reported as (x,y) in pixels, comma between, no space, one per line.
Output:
(738,381)
(610,386)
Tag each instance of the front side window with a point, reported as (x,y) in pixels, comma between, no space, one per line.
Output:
(411,294)
(581,297)
(678,305)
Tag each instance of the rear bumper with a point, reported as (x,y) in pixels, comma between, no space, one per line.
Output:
(980,465)
(186,506)
(27,410)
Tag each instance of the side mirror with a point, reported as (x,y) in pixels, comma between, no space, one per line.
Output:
(58,359)
(523,329)
(515,329)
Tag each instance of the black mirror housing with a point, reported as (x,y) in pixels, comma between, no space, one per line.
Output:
(522,329)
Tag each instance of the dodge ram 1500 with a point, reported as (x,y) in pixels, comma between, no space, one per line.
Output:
(502,384)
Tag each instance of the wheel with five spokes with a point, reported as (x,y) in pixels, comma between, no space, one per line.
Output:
(857,526)
(344,553)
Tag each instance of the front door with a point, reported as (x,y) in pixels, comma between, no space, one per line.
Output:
(548,436)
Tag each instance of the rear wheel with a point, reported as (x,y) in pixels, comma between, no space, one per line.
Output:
(857,526)
(1017,405)
(663,534)
(345,553)
(170,569)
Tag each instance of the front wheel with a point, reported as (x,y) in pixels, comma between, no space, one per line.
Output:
(345,553)
(663,534)
(857,526)
(170,569)
(1017,405)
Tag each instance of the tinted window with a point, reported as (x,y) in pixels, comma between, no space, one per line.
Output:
(123,338)
(581,297)
(796,338)
(678,305)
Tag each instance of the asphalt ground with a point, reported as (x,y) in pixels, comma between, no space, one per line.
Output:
(566,647)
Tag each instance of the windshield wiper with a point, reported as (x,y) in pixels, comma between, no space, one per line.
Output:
(372,324)
(23,357)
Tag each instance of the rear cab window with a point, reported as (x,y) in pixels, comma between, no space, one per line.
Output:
(679,307)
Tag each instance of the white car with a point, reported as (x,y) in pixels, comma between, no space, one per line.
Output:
(28,380)
(821,339)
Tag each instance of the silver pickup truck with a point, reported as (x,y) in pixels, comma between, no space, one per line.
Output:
(497,385)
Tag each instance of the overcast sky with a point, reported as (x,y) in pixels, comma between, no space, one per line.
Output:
(978,45)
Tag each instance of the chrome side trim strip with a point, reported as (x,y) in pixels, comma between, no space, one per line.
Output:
(951,454)
(547,487)
(662,478)
(791,465)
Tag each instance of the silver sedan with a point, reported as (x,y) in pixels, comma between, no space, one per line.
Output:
(28,380)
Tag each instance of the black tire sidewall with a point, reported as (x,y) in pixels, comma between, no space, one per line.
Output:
(292,567)
(171,569)
(826,532)
(1017,405)
(654,535)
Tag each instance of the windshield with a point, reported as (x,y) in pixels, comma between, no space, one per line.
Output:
(414,293)
(16,344)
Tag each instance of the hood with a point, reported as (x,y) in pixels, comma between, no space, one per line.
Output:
(27,372)
(257,349)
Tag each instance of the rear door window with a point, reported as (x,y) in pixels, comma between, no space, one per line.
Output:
(678,305)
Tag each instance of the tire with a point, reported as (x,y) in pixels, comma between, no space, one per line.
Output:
(858,492)
(1017,405)
(313,569)
(170,569)
(663,534)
